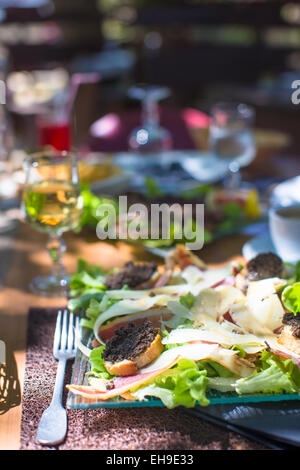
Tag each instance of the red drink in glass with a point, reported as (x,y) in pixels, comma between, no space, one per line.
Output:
(56,134)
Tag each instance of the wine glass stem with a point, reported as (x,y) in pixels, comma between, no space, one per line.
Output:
(150,113)
(233,180)
(56,248)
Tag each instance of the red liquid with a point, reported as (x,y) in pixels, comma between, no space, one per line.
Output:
(58,135)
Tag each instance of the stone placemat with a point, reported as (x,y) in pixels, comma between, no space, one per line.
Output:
(109,429)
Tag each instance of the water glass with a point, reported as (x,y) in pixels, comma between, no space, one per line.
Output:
(231,138)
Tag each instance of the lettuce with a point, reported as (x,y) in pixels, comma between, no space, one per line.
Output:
(273,375)
(290,297)
(183,385)
(82,303)
(88,279)
(292,271)
(91,202)
(187,300)
(95,308)
(214,369)
(152,187)
(97,364)
(222,384)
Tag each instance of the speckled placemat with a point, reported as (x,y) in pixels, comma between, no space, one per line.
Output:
(109,429)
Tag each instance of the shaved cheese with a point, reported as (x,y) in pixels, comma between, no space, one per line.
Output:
(229,295)
(210,278)
(216,334)
(98,384)
(264,303)
(178,289)
(199,351)
(195,352)
(192,274)
(206,304)
(214,303)
(262,312)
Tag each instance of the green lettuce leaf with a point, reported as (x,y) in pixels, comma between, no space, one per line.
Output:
(290,297)
(88,279)
(95,308)
(187,300)
(273,375)
(197,192)
(214,369)
(91,202)
(82,303)
(152,187)
(183,385)
(97,364)
(222,384)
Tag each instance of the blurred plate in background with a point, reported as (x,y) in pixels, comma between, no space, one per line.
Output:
(186,168)
(257,245)
(286,193)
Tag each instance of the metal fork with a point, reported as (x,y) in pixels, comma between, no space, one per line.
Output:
(53,424)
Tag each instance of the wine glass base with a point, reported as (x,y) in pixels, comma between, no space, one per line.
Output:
(7,225)
(50,286)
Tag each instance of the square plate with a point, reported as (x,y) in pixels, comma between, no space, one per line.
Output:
(79,377)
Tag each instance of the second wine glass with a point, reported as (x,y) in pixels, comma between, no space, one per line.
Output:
(150,137)
(231,138)
(52,203)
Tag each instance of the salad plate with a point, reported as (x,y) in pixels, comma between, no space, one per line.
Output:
(184,334)
(80,377)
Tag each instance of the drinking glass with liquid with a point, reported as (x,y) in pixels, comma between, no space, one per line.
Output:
(52,203)
(231,138)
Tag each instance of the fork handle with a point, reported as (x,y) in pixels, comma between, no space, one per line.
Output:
(53,424)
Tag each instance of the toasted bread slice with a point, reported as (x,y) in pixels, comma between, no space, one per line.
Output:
(288,340)
(130,367)
(121,368)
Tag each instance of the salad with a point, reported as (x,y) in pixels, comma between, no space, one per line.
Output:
(225,211)
(177,331)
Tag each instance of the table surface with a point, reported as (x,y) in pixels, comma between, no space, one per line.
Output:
(30,258)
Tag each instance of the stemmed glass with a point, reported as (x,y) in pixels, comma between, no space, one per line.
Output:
(8,187)
(52,203)
(231,138)
(150,137)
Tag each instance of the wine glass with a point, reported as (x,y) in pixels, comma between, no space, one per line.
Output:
(231,138)
(150,137)
(52,203)
(8,186)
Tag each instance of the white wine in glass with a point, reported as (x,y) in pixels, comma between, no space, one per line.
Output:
(52,203)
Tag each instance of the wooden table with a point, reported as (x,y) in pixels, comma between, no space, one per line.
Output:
(30,259)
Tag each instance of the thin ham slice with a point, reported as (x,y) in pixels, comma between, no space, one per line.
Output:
(121,384)
(279,350)
(107,331)
(164,279)
(227,281)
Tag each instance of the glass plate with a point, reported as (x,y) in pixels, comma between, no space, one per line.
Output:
(79,377)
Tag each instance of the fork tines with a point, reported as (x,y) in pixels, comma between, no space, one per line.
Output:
(66,330)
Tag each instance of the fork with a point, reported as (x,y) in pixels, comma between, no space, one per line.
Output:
(53,424)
